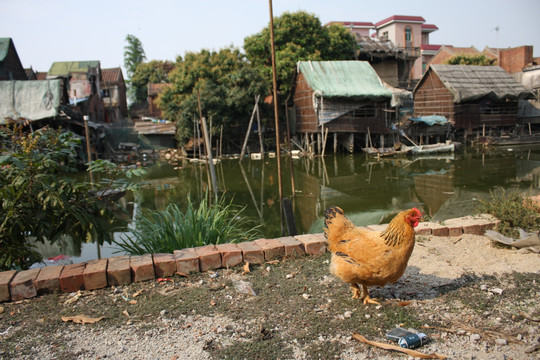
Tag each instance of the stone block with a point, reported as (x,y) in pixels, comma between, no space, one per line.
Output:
(423,229)
(187,261)
(72,277)
(119,271)
(164,265)
(209,257)
(48,280)
(251,252)
(231,255)
(95,274)
(314,244)
(5,279)
(23,284)
(142,268)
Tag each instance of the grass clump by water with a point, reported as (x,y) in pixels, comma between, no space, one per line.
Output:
(163,231)
(513,210)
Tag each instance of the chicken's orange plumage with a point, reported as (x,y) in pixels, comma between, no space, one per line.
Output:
(369,258)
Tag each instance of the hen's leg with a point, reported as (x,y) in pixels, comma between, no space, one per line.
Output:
(366,297)
(355,291)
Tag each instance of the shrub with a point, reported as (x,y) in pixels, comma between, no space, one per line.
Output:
(163,231)
(513,210)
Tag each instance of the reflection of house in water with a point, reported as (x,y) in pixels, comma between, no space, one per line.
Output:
(434,188)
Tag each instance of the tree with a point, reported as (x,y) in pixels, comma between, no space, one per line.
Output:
(155,71)
(479,59)
(226,85)
(41,199)
(297,36)
(133,56)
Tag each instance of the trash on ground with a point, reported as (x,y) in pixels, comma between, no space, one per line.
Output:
(244,287)
(529,241)
(397,348)
(407,339)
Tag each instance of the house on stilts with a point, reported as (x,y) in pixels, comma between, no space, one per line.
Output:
(472,98)
(339,100)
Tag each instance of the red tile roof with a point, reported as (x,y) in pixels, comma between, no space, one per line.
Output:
(429,27)
(430,47)
(112,75)
(400,18)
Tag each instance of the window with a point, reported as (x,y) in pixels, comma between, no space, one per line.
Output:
(408,35)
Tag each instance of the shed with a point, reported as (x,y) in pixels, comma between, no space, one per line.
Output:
(344,97)
(10,64)
(113,90)
(469,96)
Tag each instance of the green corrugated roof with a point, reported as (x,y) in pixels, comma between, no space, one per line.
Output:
(4,47)
(63,68)
(344,79)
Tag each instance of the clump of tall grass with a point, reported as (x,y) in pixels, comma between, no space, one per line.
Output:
(513,210)
(163,231)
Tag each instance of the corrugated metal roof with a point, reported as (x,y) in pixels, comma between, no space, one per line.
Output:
(355,79)
(63,68)
(4,47)
(29,99)
(472,82)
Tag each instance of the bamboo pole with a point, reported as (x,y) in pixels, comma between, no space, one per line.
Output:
(276,114)
(242,153)
(261,142)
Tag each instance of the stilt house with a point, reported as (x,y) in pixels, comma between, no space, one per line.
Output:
(341,98)
(470,97)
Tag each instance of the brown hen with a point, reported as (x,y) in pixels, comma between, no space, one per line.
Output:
(369,258)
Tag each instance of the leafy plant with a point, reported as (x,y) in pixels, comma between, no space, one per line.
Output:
(479,59)
(163,231)
(512,209)
(41,200)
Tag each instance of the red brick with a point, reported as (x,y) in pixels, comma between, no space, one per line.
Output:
(272,248)
(437,229)
(119,271)
(5,278)
(164,265)
(231,255)
(423,229)
(314,244)
(292,246)
(251,252)
(187,261)
(142,268)
(209,257)
(95,274)
(72,277)
(48,279)
(455,227)
(23,284)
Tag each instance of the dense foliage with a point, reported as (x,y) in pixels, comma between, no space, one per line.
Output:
(133,56)
(40,198)
(163,231)
(155,71)
(480,59)
(224,82)
(297,36)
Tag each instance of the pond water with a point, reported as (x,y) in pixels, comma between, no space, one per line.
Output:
(369,191)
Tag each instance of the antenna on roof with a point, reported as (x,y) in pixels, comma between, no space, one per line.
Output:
(496,28)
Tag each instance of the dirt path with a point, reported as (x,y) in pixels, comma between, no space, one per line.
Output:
(473,299)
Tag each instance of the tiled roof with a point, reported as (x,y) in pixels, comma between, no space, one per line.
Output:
(112,75)
(429,27)
(400,18)
(430,47)
(156,88)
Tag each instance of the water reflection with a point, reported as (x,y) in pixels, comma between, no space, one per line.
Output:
(369,191)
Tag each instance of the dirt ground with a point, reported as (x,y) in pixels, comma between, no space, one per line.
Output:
(474,300)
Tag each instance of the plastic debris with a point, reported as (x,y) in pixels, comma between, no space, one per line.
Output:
(244,287)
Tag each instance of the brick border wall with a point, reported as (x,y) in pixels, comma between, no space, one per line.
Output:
(123,270)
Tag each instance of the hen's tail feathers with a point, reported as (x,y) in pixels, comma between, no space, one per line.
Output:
(336,225)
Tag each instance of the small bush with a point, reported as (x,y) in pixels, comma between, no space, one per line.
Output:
(163,231)
(513,210)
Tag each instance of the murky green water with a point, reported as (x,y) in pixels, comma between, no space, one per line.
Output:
(442,186)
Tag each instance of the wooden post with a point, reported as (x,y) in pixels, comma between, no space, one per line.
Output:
(208,147)
(335,143)
(261,142)
(249,128)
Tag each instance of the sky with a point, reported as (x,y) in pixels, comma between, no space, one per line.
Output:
(72,30)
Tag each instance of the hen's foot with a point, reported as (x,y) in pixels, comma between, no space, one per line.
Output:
(369,300)
(356,293)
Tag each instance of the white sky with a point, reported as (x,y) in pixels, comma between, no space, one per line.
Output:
(45,31)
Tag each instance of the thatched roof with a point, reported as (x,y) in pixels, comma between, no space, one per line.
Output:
(472,82)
